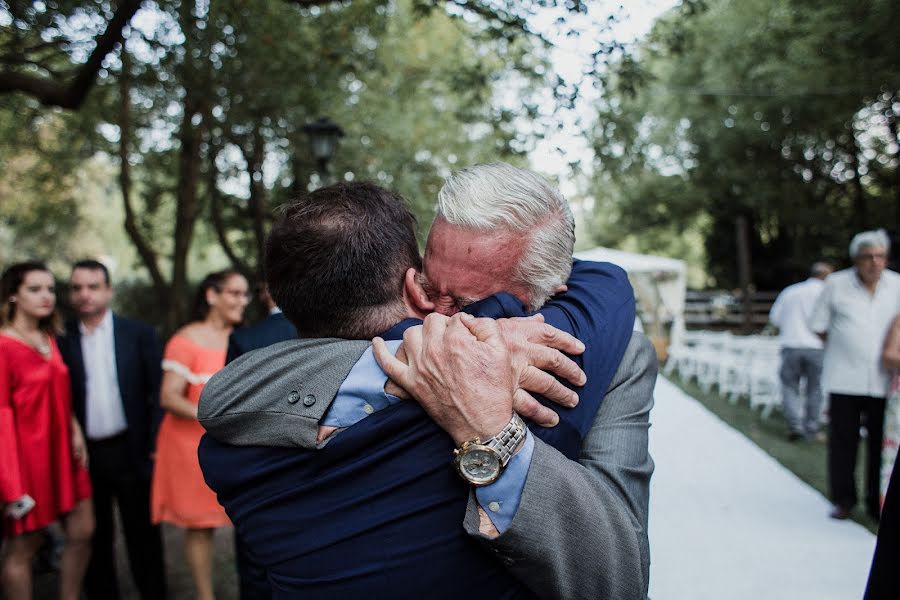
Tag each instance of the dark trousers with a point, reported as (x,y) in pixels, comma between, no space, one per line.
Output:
(846,414)
(114,477)
(254,582)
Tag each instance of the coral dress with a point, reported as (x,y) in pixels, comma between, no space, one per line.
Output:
(36,436)
(180,495)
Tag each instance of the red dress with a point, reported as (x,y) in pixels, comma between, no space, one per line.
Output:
(36,436)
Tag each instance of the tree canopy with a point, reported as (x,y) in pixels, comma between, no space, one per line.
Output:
(784,112)
(198,114)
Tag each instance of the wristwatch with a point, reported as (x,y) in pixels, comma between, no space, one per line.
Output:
(480,463)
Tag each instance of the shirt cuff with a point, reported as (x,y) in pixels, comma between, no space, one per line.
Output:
(500,500)
(362,392)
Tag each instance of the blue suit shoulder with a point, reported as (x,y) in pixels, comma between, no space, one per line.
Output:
(133,325)
(271,330)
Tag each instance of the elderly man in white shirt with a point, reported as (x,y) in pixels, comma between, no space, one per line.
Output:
(801,352)
(853,315)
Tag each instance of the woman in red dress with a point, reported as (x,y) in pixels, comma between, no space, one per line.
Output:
(43,458)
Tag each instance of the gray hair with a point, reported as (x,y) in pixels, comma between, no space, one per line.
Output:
(498,195)
(877,238)
(821,269)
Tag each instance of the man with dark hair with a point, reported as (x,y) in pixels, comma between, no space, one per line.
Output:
(271,330)
(114,365)
(357,242)
(376,508)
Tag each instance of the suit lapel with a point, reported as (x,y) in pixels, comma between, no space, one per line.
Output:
(119,348)
(76,369)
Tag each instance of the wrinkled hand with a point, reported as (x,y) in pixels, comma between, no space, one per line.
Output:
(79,446)
(537,353)
(462,376)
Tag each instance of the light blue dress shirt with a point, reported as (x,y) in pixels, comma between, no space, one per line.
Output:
(362,394)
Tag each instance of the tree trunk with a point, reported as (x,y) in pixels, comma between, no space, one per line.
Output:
(744,270)
(145,251)
(187,208)
(190,135)
(254,156)
(215,211)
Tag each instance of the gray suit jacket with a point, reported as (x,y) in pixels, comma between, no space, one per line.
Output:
(581,528)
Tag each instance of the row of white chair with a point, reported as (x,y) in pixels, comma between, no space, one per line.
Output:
(739,366)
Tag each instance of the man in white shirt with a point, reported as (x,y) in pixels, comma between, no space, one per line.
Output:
(114,366)
(801,352)
(852,316)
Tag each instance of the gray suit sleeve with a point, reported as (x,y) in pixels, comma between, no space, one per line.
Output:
(275,396)
(581,528)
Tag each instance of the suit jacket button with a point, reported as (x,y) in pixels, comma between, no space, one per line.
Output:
(309,400)
(293,397)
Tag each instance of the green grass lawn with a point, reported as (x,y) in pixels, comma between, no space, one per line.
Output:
(806,459)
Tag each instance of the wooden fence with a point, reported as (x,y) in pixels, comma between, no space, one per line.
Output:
(719,310)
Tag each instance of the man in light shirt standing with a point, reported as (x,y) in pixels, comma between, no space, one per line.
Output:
(801,352)
(852,316)
(114,365)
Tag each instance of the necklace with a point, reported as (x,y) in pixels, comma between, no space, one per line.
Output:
(43,346)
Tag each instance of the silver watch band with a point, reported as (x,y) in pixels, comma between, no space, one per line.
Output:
(509,438)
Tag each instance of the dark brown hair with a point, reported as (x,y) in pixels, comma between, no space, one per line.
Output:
(12,279)
(336,258)
(213,281)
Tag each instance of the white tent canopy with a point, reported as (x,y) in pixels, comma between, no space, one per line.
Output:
(660,285)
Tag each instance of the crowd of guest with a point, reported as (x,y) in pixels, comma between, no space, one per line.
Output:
(93,416)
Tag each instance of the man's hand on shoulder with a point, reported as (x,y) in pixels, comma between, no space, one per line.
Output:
(535,352)
(452,369)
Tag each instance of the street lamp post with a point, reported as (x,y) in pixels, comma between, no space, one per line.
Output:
(323,138)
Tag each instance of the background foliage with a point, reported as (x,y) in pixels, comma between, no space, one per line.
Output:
(193,124)
(783,111)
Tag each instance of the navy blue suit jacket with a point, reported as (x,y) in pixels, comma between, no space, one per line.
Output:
(139,370)
(271,330)
(377,512)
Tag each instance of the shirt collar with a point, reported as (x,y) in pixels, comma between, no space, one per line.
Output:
(104,326)
(859,282)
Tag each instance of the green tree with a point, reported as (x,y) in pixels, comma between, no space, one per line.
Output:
(781,111)
(203,108)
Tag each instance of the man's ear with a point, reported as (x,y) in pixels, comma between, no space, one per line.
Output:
(560,289)
(414,294)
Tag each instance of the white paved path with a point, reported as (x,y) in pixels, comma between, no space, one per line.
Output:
(727,522)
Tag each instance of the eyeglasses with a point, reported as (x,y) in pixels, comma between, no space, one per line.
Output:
(880,256)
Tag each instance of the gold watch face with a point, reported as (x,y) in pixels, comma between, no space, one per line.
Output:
(479,465)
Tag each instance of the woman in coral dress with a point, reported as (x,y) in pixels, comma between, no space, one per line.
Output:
(179,495)
(43,459)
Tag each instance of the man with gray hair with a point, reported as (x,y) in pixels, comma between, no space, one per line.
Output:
(801,352)
(497,224)
(852,316)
